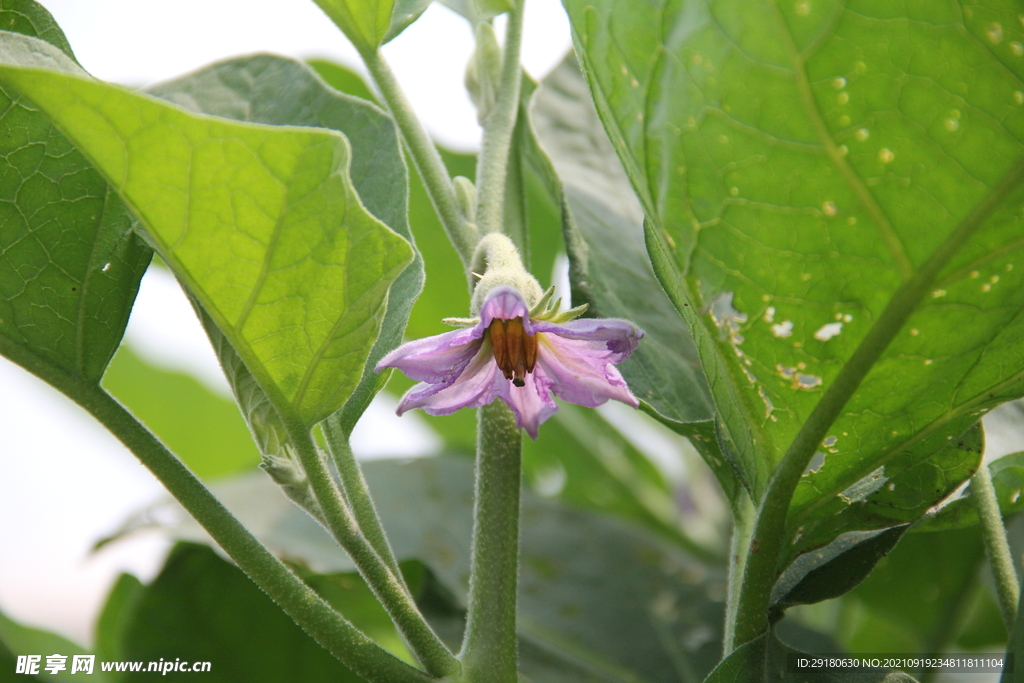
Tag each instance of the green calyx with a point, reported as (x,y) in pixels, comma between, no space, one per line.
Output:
(498,259)
(546,308)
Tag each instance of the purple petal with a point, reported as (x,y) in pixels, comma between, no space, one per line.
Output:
(505,303)
(479,384)
(437,359)
(621,337)
(531,403)
(579,373)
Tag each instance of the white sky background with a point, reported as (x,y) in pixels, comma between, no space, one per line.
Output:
(66,481)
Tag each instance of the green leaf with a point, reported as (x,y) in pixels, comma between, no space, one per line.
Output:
(279,91)
(364,22)
(70,263)
(596,595)
(900,497)
(16,639)
(202,609)
(203,429)
(585,462)
(29,18)
(816,171)
(767,660)
(1008,478)
(917,598)
(115,618)
(478,10)
(604,236)
(342,79)
(834,570)
(404,13)
(261,223)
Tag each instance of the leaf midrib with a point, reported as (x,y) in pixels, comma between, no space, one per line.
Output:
(901,305)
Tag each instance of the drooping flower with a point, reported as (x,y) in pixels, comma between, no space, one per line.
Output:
(520,355)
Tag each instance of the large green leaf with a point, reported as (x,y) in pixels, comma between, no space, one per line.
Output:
(596,595)
(203,429)
(203,609)
(610,270)
(70,264)
(584,461)
(279,91)
(825,179)
(917,598)
(261,223)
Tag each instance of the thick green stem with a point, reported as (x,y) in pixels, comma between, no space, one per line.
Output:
(744,515)
(499,126)
(357,493)
(769,532)
(298,600)
(462,233)
(996,546)
(489,651)
(385,583)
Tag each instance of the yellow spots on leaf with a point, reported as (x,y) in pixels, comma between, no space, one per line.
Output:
(843,98)
(863,134)
(885,155)
(995,33)
(829,208)
(838,82)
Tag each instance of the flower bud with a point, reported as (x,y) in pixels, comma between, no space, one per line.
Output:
(504,267)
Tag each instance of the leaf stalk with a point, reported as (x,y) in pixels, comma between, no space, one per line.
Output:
(438,183)
(996,546)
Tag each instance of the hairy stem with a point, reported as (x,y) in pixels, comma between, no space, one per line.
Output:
(996,546)
(386,584)
(357,493)
(299,601)
(744,515)
(462,233)
(499,126)
(489,652)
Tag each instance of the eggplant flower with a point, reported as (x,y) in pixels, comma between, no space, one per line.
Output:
(518,354)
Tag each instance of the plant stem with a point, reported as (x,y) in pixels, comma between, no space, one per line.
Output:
(489,652)
(499,125)
(762,567)
(357,493)
(298,600)
(744,515)
(385,583)
(996,546)
(463,234)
